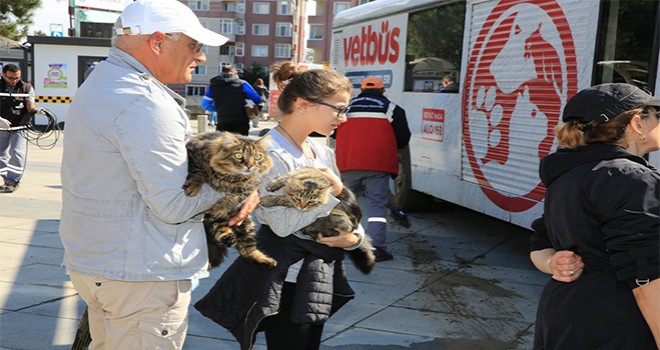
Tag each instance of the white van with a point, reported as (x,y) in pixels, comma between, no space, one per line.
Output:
(516,64)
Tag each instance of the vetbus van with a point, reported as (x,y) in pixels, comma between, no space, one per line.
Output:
(517,62)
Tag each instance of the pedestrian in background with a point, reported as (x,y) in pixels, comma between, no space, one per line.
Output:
(208,105)
(367,154)
(263,92)
(229,94)
(16,104)
(292,302)
(599,237)
(133,241)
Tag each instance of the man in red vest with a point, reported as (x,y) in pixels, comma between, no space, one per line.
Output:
(367,154)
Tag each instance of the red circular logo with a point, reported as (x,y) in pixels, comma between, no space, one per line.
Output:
(521,71)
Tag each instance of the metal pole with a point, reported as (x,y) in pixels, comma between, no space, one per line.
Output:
(202,123)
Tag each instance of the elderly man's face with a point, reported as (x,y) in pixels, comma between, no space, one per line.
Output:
(182,54)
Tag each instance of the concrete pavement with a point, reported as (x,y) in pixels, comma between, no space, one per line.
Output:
(460,280)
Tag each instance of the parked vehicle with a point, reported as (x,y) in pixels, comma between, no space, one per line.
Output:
(516,62)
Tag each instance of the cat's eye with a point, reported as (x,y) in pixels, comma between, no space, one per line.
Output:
(258,156)
(238,155)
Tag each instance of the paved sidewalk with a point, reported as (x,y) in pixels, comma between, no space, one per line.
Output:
(459,280)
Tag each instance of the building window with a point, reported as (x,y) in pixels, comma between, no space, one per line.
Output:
(341,6)
(285,7)
(195,90)
(283,29)
(240,27)
(198,5)
(316,32)
(199,70)
(239,67)
(226,26)
(240,6)
(261,8)
(259,50)
(229,6)
(227,50)
(260,29)
(240,50)
(283,50)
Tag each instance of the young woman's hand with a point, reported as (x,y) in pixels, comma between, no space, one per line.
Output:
(345,239)
(337,185)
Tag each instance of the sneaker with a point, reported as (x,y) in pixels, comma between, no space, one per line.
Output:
(10,187)
(382,255)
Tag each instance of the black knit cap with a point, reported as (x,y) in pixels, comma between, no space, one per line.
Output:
(600,103)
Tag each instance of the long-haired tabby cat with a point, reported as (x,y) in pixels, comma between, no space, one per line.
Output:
(308,188)
(235,165)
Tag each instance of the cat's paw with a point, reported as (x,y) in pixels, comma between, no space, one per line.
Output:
(225,237)
(267,263)
(274,185)
(228,240)
(261,259)
(191,190)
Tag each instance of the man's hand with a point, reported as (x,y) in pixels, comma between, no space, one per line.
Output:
(251,202)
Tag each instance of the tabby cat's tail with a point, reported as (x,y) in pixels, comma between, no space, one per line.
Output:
(363,257)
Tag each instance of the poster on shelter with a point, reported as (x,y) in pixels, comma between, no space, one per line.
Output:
(56,76)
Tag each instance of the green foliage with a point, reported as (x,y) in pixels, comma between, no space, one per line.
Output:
(437,32)
(16,16)
(253,72)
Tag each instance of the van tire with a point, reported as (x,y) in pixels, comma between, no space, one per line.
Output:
(405,198)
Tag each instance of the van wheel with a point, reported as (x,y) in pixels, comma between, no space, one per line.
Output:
(405,197)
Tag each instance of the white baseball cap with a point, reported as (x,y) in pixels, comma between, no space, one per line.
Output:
(167,16)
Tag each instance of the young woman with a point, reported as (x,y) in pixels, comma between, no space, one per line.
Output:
(600,234)
(292,302)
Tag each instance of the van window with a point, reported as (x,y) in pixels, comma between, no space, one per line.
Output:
(624,51)
(434,47)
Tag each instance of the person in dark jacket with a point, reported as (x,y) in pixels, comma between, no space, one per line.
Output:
(367,153)
(16,102)
(229,94)
(262,90)
(291,302)
(449,84)
(599,237)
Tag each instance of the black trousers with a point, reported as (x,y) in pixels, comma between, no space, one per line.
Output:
(241,128)
(282,334)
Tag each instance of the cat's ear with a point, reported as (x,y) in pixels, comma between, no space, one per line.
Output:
(231,137)
(264,142)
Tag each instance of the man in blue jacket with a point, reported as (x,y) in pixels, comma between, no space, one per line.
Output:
(229,93)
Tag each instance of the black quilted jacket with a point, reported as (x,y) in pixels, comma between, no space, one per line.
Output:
(246,294)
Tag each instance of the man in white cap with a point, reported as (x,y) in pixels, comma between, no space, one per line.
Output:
(133,241)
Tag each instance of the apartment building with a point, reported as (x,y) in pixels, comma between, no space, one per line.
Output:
(260,32)
(320,27)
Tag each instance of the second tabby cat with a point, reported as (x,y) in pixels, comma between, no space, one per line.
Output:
(235,165)
(308,188)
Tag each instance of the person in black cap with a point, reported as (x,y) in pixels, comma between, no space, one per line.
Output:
(599,237)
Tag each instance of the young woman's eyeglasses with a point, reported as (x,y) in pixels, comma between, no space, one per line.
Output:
(196,45)
(341,111)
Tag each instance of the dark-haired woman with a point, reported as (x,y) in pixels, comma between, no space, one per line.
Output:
(292,302)
(600,234)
